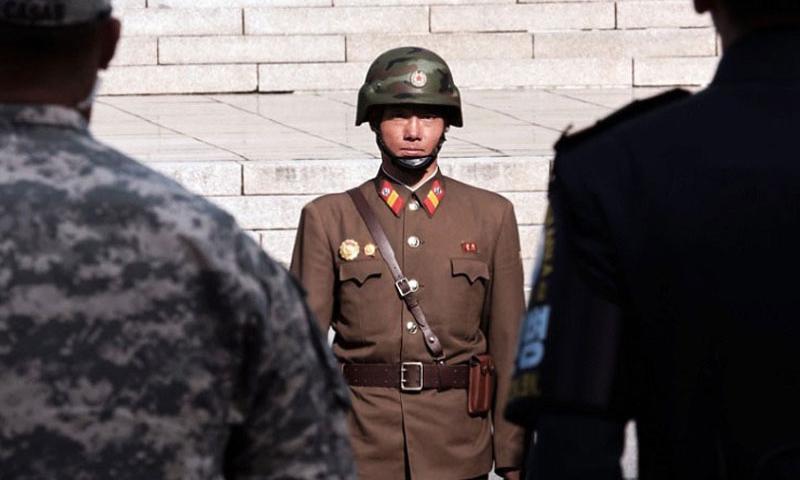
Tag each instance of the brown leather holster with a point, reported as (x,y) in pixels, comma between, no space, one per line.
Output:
(482,380)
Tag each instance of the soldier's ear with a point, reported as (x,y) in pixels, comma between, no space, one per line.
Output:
(109,33)
(375,116)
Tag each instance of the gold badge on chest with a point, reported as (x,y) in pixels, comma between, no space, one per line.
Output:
(369,250)
(349,250)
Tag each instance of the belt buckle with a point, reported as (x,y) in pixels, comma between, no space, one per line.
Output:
(404,287)
(403,368)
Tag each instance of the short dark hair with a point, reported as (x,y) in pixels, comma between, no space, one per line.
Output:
(749,11)
(21,45)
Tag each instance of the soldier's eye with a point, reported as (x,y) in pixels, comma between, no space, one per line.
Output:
(397,114)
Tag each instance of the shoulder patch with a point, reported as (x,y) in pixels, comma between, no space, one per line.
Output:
(632,110)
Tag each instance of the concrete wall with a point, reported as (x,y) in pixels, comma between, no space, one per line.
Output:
(203,46)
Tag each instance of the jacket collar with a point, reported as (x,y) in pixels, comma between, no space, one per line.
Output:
(430,194)
(396,195)
(43,115)
(764,54)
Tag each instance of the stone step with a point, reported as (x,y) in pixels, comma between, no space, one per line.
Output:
(508,176)
(184,4)
(669,13)
(204,178)
(136,51)
(478,74)
(216,46)
(489,74)
(282,21)
(523,18)
(189,21)
(275,192)
(364,47)
(512,174)
(168,79)
(657,42)
(462,46)
(251,49)
(657,72)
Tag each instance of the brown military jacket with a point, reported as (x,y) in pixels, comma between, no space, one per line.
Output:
(461,245)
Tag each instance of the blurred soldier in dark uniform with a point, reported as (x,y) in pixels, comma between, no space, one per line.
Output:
(457,248)
(667,291)
(142,334)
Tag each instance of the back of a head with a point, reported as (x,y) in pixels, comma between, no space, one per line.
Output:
(758,13)
(53,46)
(37,30)
(22,46)
(113,351)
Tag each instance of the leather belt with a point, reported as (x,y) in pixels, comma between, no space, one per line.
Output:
(407,376)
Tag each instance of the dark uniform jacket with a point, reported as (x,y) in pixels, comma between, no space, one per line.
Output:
(676,234)
(461,245)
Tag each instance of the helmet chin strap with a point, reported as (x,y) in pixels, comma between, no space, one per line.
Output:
(409,163)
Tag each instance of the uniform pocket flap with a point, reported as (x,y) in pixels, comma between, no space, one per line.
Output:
(360,270)
(471,268)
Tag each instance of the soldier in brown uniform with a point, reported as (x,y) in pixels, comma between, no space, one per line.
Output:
(458,249)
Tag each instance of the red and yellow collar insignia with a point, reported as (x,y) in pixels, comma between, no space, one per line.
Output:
(434,196)
(390,196)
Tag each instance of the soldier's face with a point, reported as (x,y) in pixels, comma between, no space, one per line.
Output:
(412,131)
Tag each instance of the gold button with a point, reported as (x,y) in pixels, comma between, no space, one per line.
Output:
(411,327)
(413,241)
(413,206)
(413,285)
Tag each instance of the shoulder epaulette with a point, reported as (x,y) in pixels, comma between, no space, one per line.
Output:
(632,110)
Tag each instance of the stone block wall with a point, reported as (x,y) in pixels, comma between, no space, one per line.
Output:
(213,46)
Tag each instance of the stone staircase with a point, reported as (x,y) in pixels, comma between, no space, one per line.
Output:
(219,46)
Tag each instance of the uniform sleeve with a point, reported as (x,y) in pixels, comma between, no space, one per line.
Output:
(293,400)
(313,265)
(567,361)
(507,305)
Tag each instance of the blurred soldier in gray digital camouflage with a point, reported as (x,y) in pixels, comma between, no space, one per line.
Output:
(142,334)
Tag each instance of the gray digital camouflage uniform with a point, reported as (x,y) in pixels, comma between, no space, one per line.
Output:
(142,334)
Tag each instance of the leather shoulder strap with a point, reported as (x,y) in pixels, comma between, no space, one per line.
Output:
(408,295)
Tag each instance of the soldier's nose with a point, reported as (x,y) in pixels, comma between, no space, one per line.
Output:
(412,130)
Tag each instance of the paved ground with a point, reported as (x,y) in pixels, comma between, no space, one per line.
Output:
(503,127)
(499,123)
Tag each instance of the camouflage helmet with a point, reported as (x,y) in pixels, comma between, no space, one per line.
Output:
(409,75)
